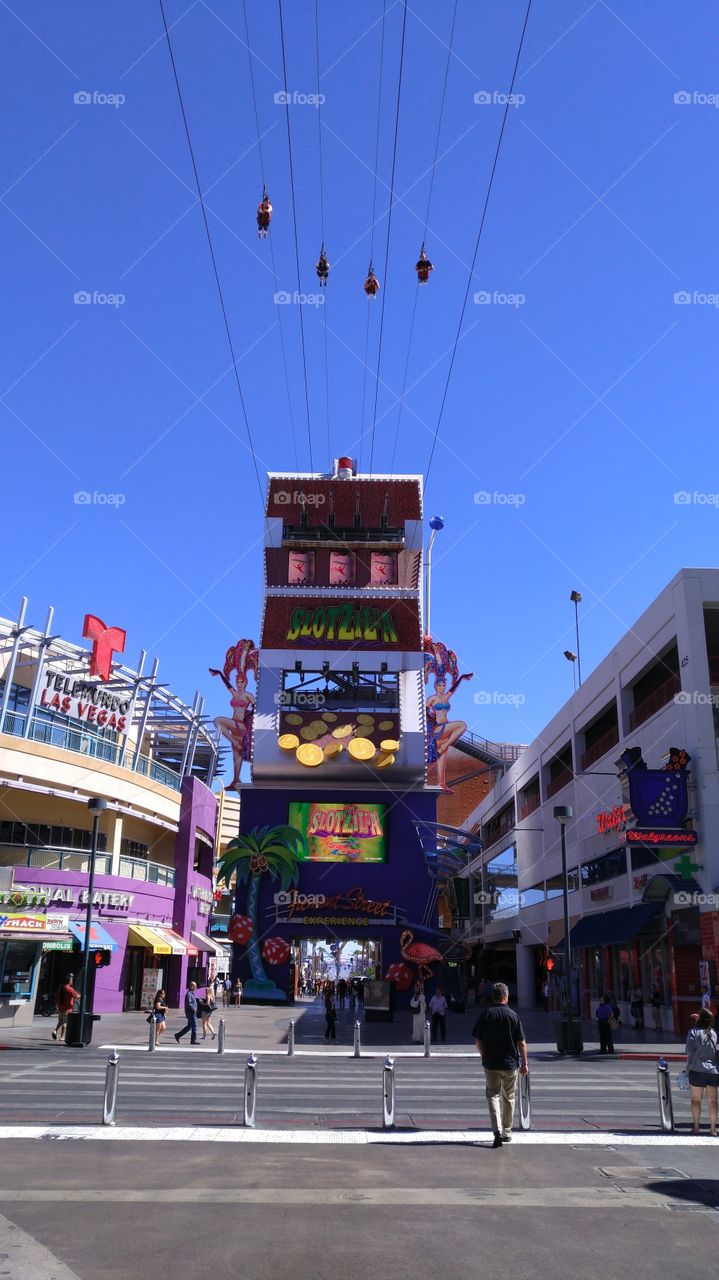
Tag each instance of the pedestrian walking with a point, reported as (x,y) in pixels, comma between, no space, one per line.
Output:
(226,992)
(206,1009)
(606,1023)
(65,999)
(706,999)
(190,1014)
(159,1013)
(500,1040)
(546,993)
(419,1004)
(636,1008)
(237,993)
(330,1016)
(703,1070)
(438,1010)
(342,992)
(656,1000)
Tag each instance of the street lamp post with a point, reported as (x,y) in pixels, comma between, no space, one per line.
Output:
(96,806)
(435,524)
(576,598)
(564,814)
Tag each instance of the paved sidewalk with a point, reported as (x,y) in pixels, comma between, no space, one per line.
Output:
(264,1027)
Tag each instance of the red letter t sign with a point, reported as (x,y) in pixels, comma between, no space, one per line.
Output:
(105,642)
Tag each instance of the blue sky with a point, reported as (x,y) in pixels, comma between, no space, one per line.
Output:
(593,398)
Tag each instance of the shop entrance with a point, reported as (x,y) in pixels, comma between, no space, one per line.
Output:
(318,961)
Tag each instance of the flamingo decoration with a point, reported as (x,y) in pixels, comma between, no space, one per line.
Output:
(418,953)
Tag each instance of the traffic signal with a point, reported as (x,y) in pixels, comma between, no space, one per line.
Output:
(102,959)
(550,963)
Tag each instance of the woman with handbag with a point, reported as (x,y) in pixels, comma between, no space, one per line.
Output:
(206,1008)
(159,1013)
(703,1070)
(606,1023)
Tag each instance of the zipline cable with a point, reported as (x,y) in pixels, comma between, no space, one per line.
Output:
(272,249)
(322,229)
(294,223)
(212,254)
(372,225)
(479,237)
(424,233)
(389,230)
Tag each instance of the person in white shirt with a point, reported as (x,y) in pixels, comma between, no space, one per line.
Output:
(438,1009)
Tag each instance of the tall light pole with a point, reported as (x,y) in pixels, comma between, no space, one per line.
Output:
(435,524)
(576,599)
(96,806)
(564,814)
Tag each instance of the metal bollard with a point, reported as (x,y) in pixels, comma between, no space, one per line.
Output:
(524,1094)
(152,1041)
(664,1089)
(250,1092)
(427,1040)
(358,1047)
(291,1039)
(388,1093)
(109,1102)
(221,1037)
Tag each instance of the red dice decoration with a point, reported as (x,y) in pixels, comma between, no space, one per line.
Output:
(401,974)
(276,951)
(240,929)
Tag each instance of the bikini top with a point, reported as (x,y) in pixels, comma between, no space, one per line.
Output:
(442,706)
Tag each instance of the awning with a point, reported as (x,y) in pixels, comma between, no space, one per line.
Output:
(661,886)
(178,946)
(100,940)
(141,936)
(609,928)
(206,944)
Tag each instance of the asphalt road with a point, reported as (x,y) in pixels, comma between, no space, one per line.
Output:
(106,1211)
(197,1086)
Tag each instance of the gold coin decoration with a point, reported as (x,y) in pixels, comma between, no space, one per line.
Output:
(293,718)
(386,724)
(329,717)
(310,755)
(342,731)
(363,718)
(288,741)
(361,749)
(384,759)
(364,731)
(319,726)
(308,733)
(333,749)
(389,744)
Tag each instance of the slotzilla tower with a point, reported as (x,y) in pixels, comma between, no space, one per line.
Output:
(338,740)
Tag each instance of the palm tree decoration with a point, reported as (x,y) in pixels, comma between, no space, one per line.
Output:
(263,850)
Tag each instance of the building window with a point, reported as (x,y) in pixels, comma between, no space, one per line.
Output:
(560,770)
(340,690)
(501,886)
(600,736)
(532,897)
(529,798)
(499,825)
(204,858)
(17,967)
(41,836)
(134,849)
(656,687)
(555,887)
(608,867)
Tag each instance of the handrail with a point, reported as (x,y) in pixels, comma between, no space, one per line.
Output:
(70,738)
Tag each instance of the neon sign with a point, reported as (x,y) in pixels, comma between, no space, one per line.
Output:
(612,819)
(343,622)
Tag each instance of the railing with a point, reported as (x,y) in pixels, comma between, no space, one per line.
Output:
(151,872)
(656,700)
(79,860)
(507,752)
(600,747)
(90,744)
(58,859)
(492,837)
(558,782)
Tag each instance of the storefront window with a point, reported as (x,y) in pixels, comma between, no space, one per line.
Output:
(17,966)
(555,887)
(501,885)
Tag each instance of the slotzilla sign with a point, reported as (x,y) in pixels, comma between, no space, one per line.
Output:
(85,700)
(340,624)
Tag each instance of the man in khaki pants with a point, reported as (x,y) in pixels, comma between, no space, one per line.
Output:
(500,1040)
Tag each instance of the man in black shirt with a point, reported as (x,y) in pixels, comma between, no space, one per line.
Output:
(500,1040)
